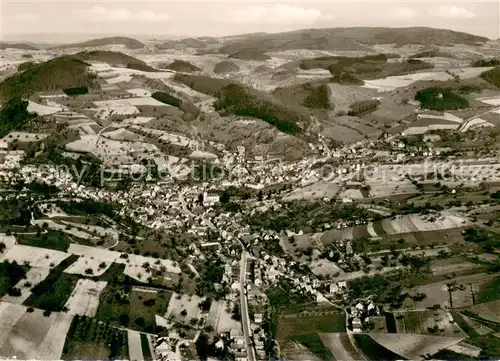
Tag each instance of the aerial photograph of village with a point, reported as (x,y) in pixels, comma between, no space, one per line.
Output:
(238,181)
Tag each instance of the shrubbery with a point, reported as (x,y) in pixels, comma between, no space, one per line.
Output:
(440,99)
(319,98)
(55,74)
(363,107)
(13,115)
(492,76)
(346,79)
(486,62)
(239,100)
(167,99)
(76,91)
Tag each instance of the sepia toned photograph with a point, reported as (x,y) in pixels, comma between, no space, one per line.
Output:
(230,180)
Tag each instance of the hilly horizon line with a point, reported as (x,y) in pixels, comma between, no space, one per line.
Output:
(82,37)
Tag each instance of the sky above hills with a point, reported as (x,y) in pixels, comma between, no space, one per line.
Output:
(76,19)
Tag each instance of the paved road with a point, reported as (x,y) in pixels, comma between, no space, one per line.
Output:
(468,120)
(245,319)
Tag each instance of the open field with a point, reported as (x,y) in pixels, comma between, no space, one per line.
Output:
(183,308)
(292,325)
(465,349)
(32,335)
(489,310)
(134,346)
(340,346)
(399,225)
(84,300)
(391,83)
(136,266)
(489,291)
(88,266)
(220,319)
(146,304)
(314,344)
(414,346)
(426,322)
(438,294)
(91,339)
(51,239)
(315,191)
(111,150)
(36,257)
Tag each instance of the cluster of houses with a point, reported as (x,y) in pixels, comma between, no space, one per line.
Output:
(359,314)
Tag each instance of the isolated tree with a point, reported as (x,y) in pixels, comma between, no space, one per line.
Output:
(225,197)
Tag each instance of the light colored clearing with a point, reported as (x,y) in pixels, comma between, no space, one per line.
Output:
(396,174)
(9,315)
(109,87)
(437,293)
(134,346)
(119,78)
(123,135)
(476,123)
(175,139)
(139,92)
(351,193)
(426,128)
(97,230)
(34,276)
(161,321)
(198,154)
(42,109)
(371,230)
(107,149)
(314,191)
(125,74)
(103,255)
(133,263)
(419,322)
(32,335)
(184,90)
(359,274)
(60,227)
(53,342)
(220,319)
(453,268)
(37,257)
(84,300)
(412,346)
(9,241)
(170,266)
(107,108)
(324,267)
(465,349)
(334,345)
(417,223)
(446,116)
(492,101)
(186,302)
(469,72)
(24,137)
(488,311)
(391,83)
(147,101)
(137,120)
(87,128)
(83,263)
